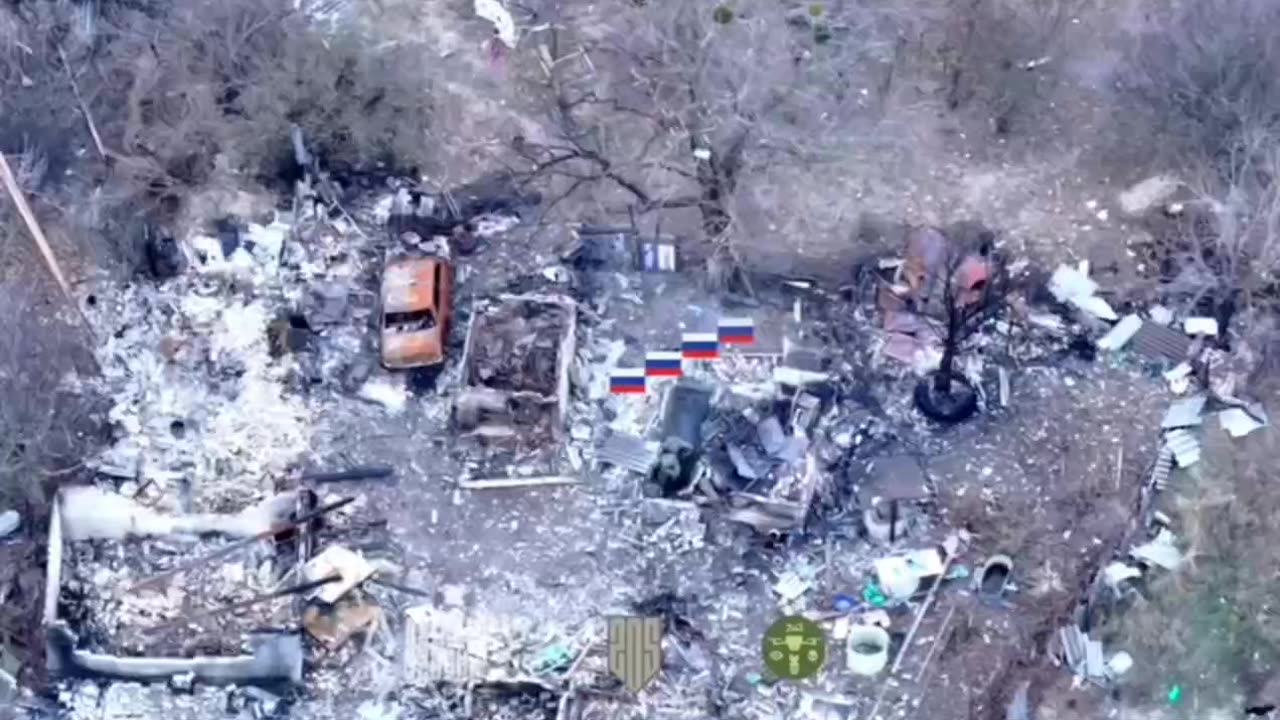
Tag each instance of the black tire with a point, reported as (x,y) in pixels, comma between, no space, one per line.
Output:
(950,408)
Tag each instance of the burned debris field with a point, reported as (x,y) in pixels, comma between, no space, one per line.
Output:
(549,360)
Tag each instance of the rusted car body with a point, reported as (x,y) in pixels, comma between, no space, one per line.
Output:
(416,310)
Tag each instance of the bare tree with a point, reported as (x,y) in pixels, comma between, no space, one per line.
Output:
(972,285)
(169,100)
(1206,75)
(688,105)
(1002,54)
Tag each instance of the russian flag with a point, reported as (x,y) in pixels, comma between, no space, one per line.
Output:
(663,364)
(737,331)
(700,346)
(629,381)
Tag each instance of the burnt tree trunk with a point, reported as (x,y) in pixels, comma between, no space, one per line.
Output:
(946,370)
(942,380)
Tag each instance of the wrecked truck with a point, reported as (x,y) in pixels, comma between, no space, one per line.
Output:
(416,309)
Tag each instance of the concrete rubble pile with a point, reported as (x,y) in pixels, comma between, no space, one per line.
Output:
(201,408)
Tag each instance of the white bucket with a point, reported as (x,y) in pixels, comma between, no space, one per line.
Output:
(867,649)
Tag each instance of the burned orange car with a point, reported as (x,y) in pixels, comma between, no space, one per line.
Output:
(416,295)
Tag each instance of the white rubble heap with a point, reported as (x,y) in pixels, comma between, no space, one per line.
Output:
(203,417)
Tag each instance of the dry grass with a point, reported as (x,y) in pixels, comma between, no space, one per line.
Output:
(1211,627)
(43,427)
(182,95)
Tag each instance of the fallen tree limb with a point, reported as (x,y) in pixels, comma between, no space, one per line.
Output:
(84,107)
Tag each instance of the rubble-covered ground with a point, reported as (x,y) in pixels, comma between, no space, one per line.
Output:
(237,378)
(257,367)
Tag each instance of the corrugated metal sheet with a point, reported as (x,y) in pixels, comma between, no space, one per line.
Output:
(630,452)
(1073,647)
(1185,446)
(1160,343)
(1164,465)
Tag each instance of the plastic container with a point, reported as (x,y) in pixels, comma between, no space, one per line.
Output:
(867,649)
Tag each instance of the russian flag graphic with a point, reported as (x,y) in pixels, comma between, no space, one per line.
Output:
(737,331)
(700,346)
(663,364)
(629,381)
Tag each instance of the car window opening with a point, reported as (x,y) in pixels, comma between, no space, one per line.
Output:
(415,321)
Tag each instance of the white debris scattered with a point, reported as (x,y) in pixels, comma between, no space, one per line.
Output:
(1119,664)
(493,225)
(901,575)
(386,393)
(1161,551)
(1117,572)
(1160,315)
(10,521)
(504,27)
(1148,194)
(1073,286)
(198,399)
(1121,334)
(1200,326)
(1239,422)
(350,566)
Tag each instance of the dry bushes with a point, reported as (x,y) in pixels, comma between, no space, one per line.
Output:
(184,93)
(1210,627)
(1205,76)
(1204,79)
(44,427)
(223,82)
(1001,55)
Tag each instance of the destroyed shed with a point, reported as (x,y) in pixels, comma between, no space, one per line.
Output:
(125,600)
(516,367)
